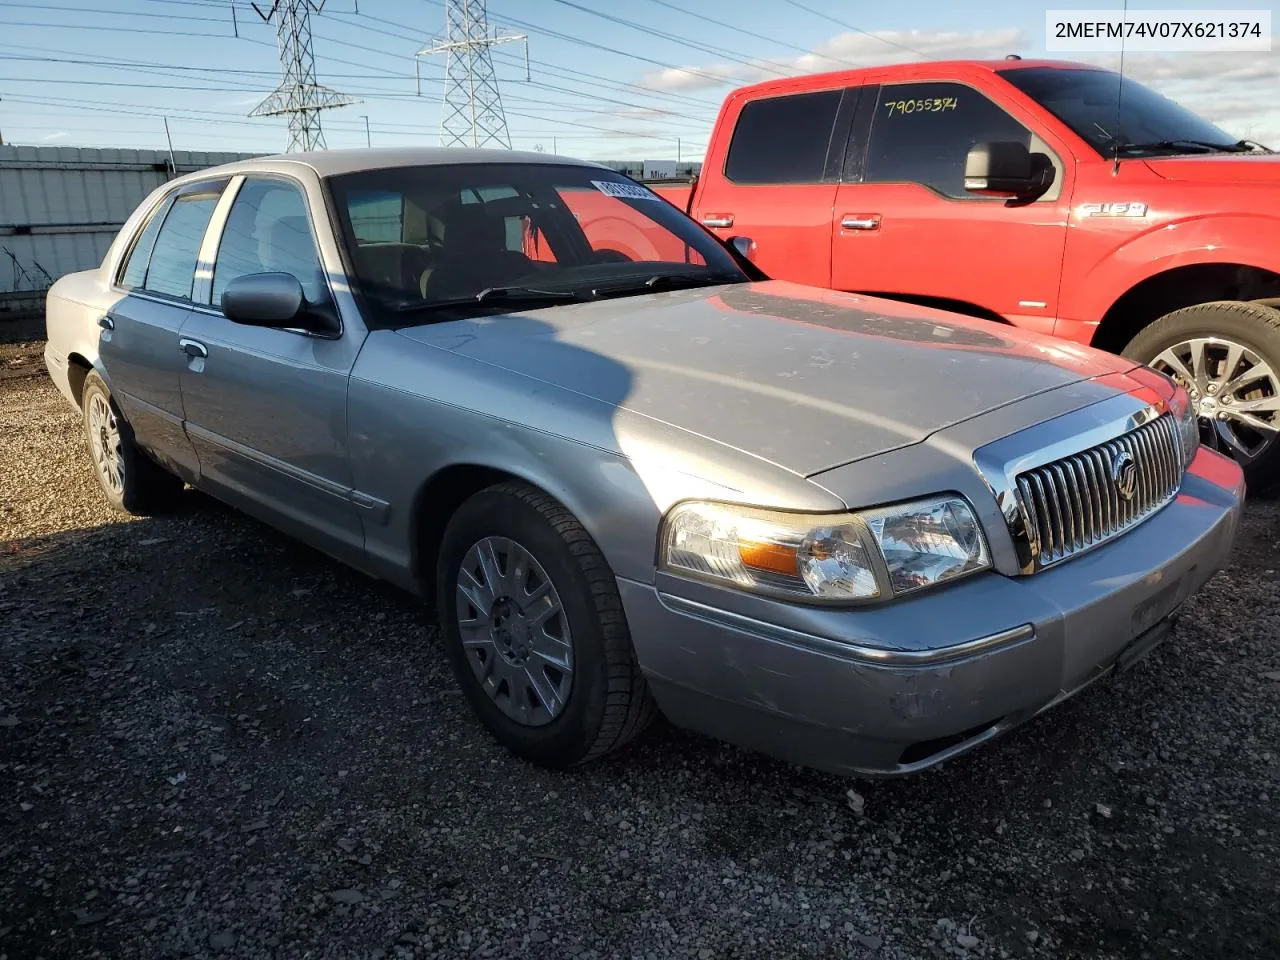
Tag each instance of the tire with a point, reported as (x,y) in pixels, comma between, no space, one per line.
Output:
(132,482)
(605,702)
(1246,335)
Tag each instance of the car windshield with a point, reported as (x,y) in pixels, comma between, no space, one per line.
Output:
(1148,123)
(437,242)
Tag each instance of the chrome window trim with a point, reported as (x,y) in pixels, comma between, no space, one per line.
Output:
(1001,462)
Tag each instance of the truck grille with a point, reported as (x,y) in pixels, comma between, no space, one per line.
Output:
(1077,502)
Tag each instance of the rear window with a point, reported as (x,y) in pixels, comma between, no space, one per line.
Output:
(783,139)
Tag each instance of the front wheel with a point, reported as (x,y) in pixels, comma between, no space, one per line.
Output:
(1227,355)
(534,629)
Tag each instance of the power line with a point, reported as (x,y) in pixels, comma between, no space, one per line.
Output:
(674,38)
(850,26)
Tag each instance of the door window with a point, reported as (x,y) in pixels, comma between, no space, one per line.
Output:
(783,139)
(268,231)
(135,265)
(172,267)
(922,133)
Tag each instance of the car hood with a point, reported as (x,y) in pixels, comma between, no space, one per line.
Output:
(805,378)
(1219,168)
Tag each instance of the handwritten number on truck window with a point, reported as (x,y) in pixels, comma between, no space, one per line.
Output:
(926,105)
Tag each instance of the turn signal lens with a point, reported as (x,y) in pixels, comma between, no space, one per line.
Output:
(1188,424)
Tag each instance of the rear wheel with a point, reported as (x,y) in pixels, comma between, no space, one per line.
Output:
(535,631)
(132,482)
(1227,355)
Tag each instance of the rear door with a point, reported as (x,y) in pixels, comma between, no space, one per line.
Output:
(778,182)
(138,344)
(905,226)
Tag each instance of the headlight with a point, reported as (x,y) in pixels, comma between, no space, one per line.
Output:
(1188,424)
(826,558)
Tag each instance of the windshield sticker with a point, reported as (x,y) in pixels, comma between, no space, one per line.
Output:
(624,191)
(928,105)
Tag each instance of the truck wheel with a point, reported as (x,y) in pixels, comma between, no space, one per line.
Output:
(534,629)
(132,481)
(1227,355)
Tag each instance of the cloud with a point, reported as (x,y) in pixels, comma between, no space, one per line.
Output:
(60,135)
(842,52)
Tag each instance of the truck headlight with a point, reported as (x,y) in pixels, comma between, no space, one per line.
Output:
(1184,412)
(826,558)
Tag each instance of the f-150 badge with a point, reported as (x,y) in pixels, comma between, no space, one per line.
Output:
(1113,209)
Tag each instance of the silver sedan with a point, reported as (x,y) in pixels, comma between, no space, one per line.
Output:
(632,473)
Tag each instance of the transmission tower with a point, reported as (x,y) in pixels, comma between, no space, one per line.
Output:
(299,95)
(471,113)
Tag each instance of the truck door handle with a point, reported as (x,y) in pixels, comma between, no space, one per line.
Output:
(194,349)
(106,323)
(861,221)
(718,220)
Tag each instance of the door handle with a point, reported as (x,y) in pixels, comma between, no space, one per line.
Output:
(106,323)
(718,220)
(194,349)
(863,221)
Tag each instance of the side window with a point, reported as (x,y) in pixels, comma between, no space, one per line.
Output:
(177,248)
(376,216)
(922,132)
(783,139)
(135,265)
(268,231)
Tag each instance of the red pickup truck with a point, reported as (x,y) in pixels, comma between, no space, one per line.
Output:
(1036,193)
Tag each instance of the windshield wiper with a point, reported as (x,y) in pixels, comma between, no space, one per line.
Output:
(508,296)
(1239,146)
(666,281)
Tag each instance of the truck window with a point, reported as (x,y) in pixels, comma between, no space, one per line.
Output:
(1089,102)
(922,132)
(783,139)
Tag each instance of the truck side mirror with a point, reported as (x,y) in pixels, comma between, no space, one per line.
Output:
(1006,168)
(745,246)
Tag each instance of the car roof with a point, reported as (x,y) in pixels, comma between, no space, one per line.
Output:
(330,163)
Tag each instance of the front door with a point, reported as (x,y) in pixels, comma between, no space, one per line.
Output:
(138,342)
(905,226)
(267,408)
(778,184)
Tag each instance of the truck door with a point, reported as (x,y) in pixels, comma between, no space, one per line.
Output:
(905,227)
(777,183)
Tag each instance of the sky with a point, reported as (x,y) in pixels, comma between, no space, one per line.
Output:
(605,80)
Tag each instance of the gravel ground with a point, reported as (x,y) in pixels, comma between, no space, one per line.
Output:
(214,742)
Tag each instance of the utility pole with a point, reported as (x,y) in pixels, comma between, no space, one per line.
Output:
(299,96)
(471,114)
(368,142)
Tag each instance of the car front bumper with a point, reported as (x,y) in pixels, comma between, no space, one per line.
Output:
(892,690)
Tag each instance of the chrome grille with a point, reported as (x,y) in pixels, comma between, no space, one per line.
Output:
(1074,503)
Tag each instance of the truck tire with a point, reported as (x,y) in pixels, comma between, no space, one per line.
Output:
(132,482)
(534,629)
(1227,355)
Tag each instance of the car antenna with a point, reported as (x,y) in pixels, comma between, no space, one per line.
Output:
(1115,138)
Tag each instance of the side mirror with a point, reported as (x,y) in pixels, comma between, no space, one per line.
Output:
(270,300)
(1006,168)
(745,246)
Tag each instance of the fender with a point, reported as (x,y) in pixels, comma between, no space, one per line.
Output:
(1243,239)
